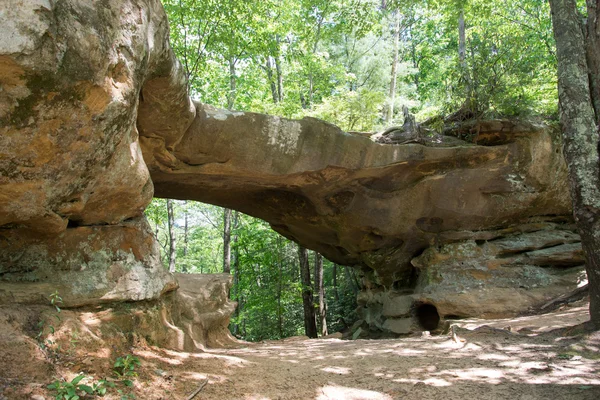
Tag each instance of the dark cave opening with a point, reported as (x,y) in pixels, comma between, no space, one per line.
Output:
(428,316)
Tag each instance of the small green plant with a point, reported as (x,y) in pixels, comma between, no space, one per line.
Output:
(55,300)
(124,369)
(102,386)
(70,390)
(44,324)
(125,366)
(126,396)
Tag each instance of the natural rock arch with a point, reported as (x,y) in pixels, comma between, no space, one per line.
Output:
(94,113)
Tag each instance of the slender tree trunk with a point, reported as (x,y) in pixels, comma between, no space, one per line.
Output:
(336,295)
(232,84)
(390,113)
(279,288)
(310,326)
(462,43)
(352,279)
(321,291)
(580,133)
(278,70)
(226,240)
(171,226)
(272,84)
(415,61)
(462,60)
(235,289)
(185,230)
(310,88)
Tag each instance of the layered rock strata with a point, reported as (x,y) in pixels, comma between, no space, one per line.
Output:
(73,182)
(94,103)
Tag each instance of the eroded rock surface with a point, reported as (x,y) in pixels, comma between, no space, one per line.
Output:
(73,182)
(86,265)
(198,312)
(356,201)
(474,224)
(88,88)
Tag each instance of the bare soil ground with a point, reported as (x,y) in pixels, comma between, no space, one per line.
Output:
(531,360)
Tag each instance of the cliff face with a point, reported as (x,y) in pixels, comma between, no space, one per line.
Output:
(71,167)
(95,116)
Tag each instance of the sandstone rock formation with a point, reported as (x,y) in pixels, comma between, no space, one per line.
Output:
(71,168)
(86,265)
(198,313)
(487,206)
(190,319)
(94,103)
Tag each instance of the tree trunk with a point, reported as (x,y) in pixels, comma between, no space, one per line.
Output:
(390,113)
(580,134)
(321,291)
(592,53)
(279,288)
(232,84)
(235,293)
(310,326)
(171,226)
(185,230)
(469,103)
(272,84)
(336,295)
(352,279)
(226,240)
(279,73)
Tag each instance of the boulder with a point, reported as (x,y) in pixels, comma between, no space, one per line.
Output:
(511,272)
(200,310)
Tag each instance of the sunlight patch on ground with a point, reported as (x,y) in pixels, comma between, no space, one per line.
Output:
(409,352)
(436,382)
(496,357)
(230,360)
(553,321)
(332,392)
(337,370)
(421,370)
(152,355)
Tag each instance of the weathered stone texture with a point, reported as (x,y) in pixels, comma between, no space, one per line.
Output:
(71,168)
(198,313)
(356,201)
(71,73)
(87,265)
(94,103)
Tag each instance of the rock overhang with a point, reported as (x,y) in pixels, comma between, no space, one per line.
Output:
(95,116)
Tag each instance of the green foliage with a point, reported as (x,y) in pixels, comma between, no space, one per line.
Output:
(124,368)
(315,57)
(45,325)
(102,386)
(264,267)
(70,390)
(352,110)
(55,300)
(266,283)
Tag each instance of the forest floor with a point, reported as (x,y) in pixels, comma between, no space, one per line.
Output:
(533,359)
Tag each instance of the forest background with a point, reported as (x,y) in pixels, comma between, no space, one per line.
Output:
(354,63)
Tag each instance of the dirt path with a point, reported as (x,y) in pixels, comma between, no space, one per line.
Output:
(487,362)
